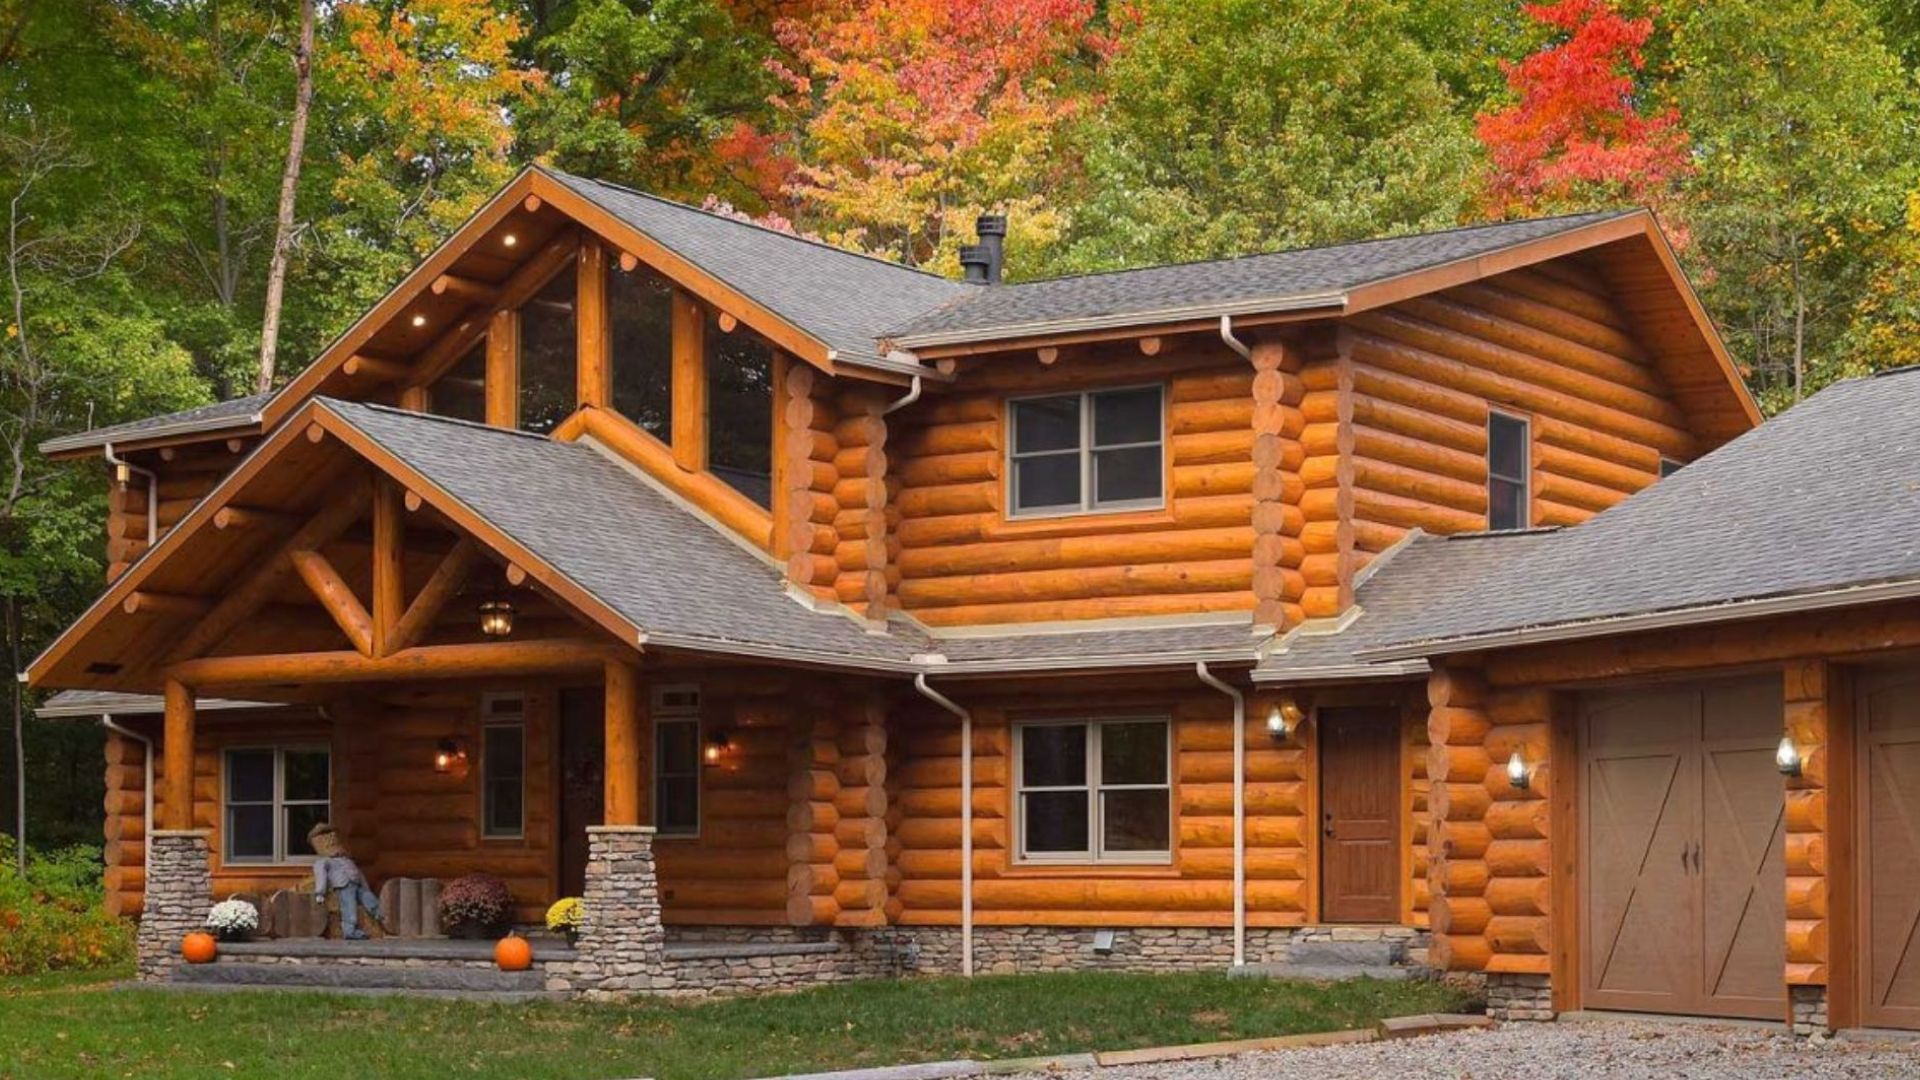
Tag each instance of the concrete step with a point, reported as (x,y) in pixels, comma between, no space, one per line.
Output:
(496,997)
(326,976)
(1321,972)
(1346,953)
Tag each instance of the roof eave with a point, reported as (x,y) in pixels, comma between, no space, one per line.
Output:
(1332,302)
(69,446)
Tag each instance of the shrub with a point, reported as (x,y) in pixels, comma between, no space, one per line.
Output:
(566,916)
(475,904)
(52,918)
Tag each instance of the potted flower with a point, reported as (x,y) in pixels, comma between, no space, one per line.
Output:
(565,918)
(233,920)
(475,906)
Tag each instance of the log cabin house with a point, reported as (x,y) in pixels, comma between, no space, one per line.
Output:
(784,601)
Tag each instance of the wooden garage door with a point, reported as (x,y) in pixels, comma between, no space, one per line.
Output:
(1683,873)
(1888,705)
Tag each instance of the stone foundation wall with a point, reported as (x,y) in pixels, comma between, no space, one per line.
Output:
(999,950)
(621,945)
(1519,997)
(748,935)
(179,895)
(1809,1010)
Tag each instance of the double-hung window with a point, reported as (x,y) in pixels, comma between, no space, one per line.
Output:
(1094,790)
(1077,453)
(503,766)
(273,796)
(676,761)
(1507,469)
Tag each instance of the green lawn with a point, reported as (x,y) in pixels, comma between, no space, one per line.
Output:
(66,1027)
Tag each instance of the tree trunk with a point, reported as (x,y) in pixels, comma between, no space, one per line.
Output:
(19,739)
(1799,331)
(289,184)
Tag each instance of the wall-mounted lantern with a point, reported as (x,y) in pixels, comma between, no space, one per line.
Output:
(1284,719)
(717,746)
(450,758)
(496,617)
(1519,773)
(1787,757)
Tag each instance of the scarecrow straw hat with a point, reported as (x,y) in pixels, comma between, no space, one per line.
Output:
(325,842)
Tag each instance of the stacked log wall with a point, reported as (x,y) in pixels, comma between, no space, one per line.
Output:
(1417,815)
(809,508)
(1194,889)
(1808,846)
(960,560)
(185,475)
(735,871)
(1279,553)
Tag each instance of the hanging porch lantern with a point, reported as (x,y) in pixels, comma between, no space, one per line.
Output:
(496,617)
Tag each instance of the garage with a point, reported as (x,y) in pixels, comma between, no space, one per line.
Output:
(1887,702)
(1682,872)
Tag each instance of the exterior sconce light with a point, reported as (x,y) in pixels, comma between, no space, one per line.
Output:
(1284,719)
(449,757)
(717,745)
(509,240)
(1787,757)
(1519,773)
(496,618)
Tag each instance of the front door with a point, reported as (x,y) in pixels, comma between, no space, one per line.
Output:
(1359,815)
(583,733)
(1683,869)
(1888,708)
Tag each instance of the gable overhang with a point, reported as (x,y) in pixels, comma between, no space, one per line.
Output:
(62,663)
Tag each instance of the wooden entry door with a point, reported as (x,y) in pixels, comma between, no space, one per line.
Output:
(1887,705)
(1683,871)
(1359,815)
(583,734)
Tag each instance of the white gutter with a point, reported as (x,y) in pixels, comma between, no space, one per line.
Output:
(1234,343)
(1239,808)
(146,829)
(153,492)
(966,816)
(1122,320)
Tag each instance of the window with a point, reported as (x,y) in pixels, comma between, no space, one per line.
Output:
(676,761)
(1094,791)
(1668,467)
(1507,468)
(1074,453)
(740,410)
(274,797)
(641,306)
(549,364)
(503,765)
(462,392)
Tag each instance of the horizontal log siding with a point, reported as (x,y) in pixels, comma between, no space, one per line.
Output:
(1547,343)
(1195,890)
(1418,816)
(184,480)
(734,872)
(957,559)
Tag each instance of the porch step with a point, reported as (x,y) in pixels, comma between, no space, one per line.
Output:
(1346,953)
(1320,972)
(495,997)
(329,976)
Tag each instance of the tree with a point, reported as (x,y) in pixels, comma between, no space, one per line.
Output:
(289,187)
(1800,116)
(1576,133)
(1227,129)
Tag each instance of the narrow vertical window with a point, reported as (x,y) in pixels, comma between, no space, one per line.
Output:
(1102,450)
(641,306)
(676,761)
(740,410)
(503,766)
(549,348)
(462,392)
(1507,469)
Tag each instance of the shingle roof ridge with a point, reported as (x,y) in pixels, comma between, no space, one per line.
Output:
(676,204)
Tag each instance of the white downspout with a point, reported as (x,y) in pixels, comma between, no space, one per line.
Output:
(966,815)
(912,395)
(153,492)
(1234,343)
(146,830)
(1239,802)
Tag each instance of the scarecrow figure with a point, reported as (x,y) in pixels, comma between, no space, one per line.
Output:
(336,872)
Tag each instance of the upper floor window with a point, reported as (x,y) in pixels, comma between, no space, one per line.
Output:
(740,410)
(462,392)
(503,765)
(641,307)
(1508,466)
(1094,791)
(273,796)
(549,365)
(1099,450)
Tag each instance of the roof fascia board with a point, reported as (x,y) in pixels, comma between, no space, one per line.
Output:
(1127,324)
(1044,665)
(1523,253)
(709,287)
(83,443)
(1732,611)
(67,712)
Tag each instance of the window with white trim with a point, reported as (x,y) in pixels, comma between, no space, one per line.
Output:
(676,760)
(1094,790)
(1079,453)
(503,766)
(1508,464)
(272,796)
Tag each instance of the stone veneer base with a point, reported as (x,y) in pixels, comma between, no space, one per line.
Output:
(1519,997)
(179,895)
(1809,1010)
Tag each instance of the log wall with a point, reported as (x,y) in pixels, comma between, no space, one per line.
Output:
(1809,720)
(186,473)
(735,870)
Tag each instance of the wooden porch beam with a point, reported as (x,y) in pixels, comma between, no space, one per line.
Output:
(622,795)
(689,382)
(493,659)
(389,564)
(336,596)
(177,797)
(592,328)
(254,591)
(434,595)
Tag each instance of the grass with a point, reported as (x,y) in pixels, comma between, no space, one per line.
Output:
(52,1026)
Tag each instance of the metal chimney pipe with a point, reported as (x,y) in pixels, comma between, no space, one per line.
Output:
(992,232)
(976,265)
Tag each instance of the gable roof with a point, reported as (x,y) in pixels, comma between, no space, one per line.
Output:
(234,413)
(1818,507)
(1272,281)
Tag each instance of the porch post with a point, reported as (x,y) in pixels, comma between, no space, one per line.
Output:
(178,794)
(622,744)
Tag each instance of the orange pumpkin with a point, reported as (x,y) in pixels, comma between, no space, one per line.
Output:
(199,948)
(513,953)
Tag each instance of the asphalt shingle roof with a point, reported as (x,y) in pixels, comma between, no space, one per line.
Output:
(1103,646)
(1271,277)
(1825,496)
(94,703)
(202,417)
(839,297)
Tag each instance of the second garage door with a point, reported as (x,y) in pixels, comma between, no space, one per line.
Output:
(1683,877)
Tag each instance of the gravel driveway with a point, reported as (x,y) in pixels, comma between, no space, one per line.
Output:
(1601,1050)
